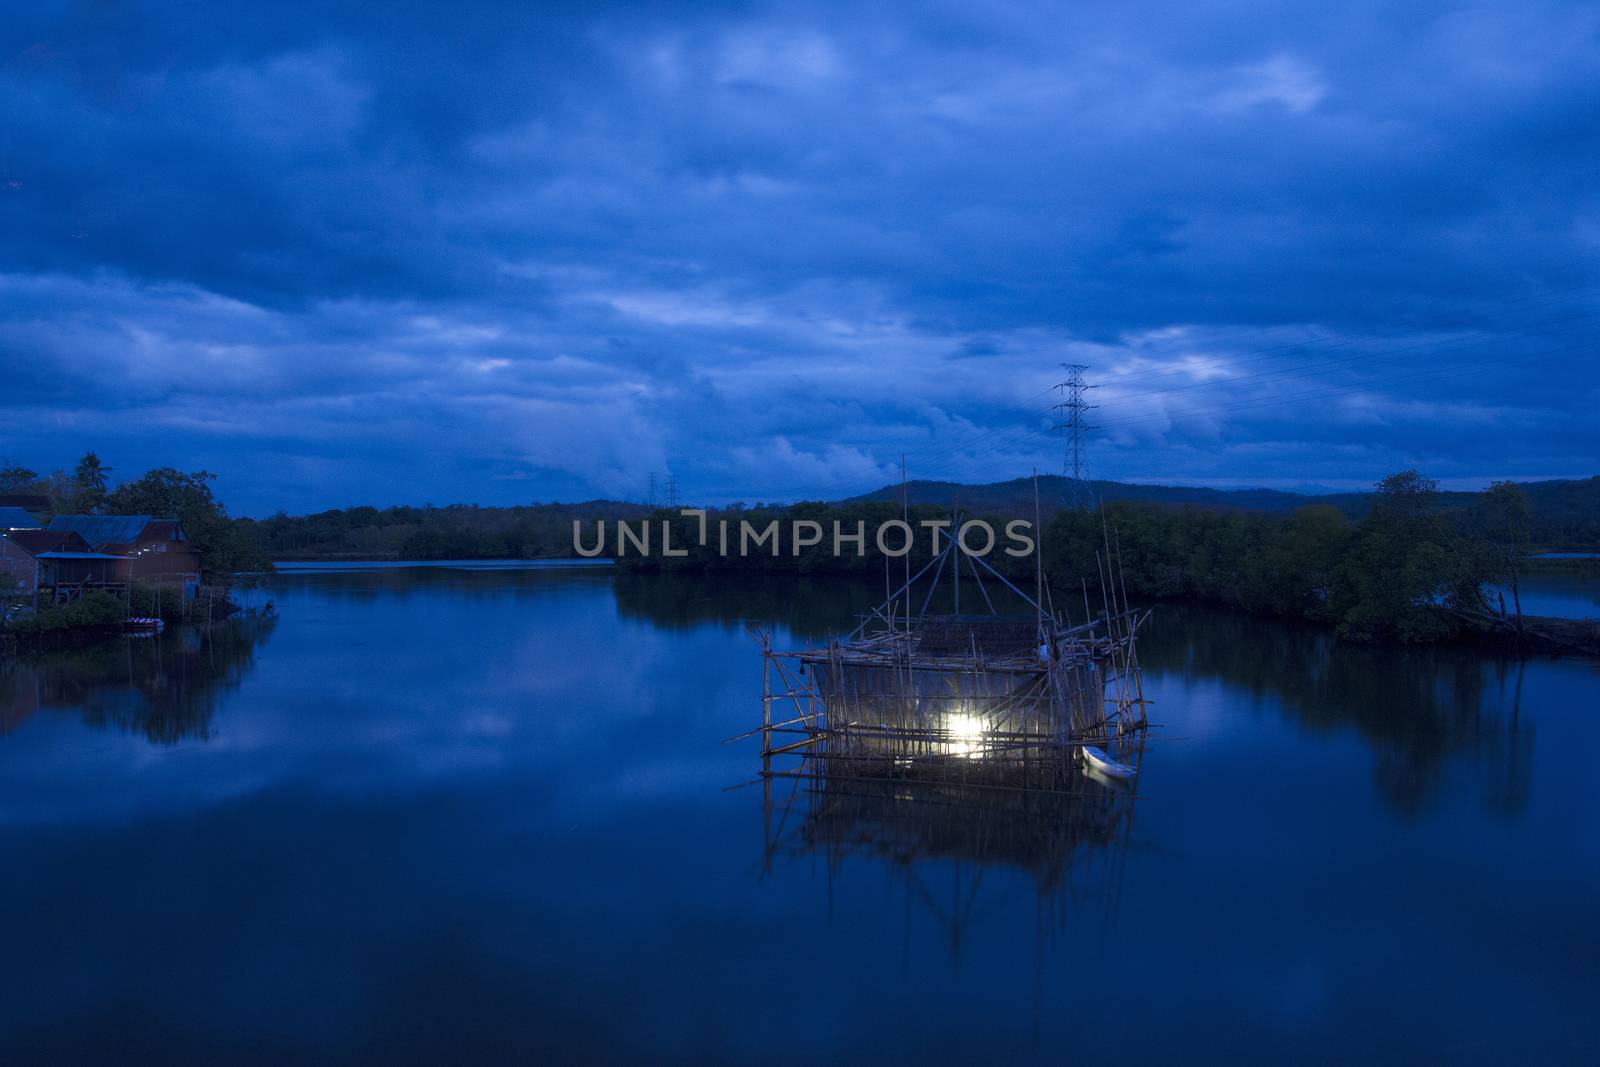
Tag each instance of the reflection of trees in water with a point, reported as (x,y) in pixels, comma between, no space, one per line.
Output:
(941,836)
(165,688)
(809,608)
(1422,709)
(465,582)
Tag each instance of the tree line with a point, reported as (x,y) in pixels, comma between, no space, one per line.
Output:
(1416,567)
(458,531)
(1407,571)
(1410,570)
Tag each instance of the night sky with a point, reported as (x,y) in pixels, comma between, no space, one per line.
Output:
(437,252)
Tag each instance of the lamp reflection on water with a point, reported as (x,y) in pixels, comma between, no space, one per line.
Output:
(965,826)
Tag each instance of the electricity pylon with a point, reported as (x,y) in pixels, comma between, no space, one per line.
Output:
(1072,409)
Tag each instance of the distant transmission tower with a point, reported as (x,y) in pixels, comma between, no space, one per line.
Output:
(1072,409)
(672,490)
(651,499)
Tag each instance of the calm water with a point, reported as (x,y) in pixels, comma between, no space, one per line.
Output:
(1560,596)
(459,815)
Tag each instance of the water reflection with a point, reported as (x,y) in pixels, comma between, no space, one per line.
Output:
(486,813)
(1425,712)
(395,585)
(808,608)
(940,838)
(165,688)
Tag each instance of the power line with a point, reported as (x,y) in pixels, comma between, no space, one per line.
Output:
(1316,344)
(1019,435)
(1000,437)
(1002,434)
(1414,375)
(1300,368)
(1362,386)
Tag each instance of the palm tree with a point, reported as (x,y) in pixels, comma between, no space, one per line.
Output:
(90,480)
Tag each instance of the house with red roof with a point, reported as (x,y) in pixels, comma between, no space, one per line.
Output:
(158,550)
(61,562)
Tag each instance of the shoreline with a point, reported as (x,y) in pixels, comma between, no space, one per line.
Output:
(329,566)
(1540,635)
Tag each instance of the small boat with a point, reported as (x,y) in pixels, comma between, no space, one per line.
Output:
(144,624)
(1096,760)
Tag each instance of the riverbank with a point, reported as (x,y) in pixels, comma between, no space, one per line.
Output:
(99,616)
(1537,634)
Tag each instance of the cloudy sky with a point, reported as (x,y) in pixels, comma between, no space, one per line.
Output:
(499,253)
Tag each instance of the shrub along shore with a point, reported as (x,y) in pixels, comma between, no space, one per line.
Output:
(1407,572)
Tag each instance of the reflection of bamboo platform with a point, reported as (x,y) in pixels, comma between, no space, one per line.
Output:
(1032,829)
(1069,833)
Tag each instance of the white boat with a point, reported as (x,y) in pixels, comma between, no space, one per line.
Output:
(1096,760)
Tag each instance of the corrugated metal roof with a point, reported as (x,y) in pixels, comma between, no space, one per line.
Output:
(103,529)
(166,529)
(11,518)
(36,541)
(79,555)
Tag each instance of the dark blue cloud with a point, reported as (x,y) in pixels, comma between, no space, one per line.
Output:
(502,252)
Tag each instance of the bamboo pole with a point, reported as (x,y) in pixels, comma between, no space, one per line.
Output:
(766,693)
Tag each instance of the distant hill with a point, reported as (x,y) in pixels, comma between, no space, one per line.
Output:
(1567,514)
(1017,495)
(1565,511)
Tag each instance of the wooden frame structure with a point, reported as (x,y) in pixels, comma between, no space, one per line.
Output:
(982,699)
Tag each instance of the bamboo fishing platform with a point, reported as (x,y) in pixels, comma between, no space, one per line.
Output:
(984,699)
